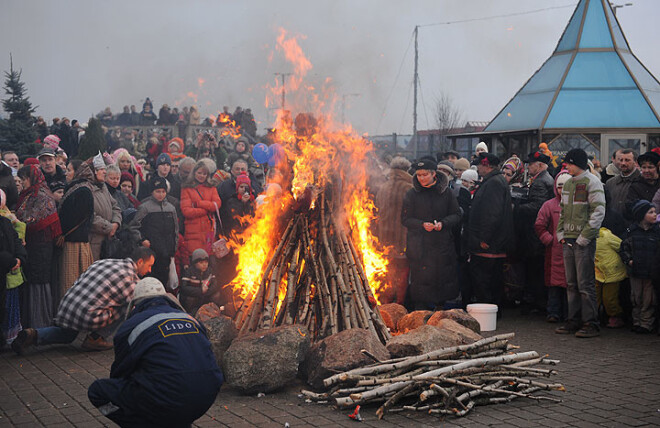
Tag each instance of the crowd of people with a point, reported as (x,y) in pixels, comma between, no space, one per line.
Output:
(546,234)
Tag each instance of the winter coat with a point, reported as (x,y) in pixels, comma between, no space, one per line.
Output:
(609,267)
(541,190)
(164,368)
(582,207)
(8,185)
(618,188)
(420,205)
(106,212)
(491,216)
(546,229)
(11,248)
(77,209)
(642,246)
(158,223)
(198,205)
(59,175)
(389,201)
(643,189)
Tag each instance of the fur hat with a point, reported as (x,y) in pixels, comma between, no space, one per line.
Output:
(426,163)
(538,156)
(577,157)
(640,208)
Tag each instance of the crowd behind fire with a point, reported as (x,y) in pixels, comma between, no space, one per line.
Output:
(548,234)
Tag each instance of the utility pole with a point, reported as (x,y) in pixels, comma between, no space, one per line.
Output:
(619,6)
(283,76)
(343,105)
(415,143)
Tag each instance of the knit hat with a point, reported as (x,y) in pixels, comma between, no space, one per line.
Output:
(538,156)
(199,254)
(481,147)
(52,142)
(640,208)
(242,179)
(162,159)
(127,176)
(31,161)
(159,183)
(98,162)
(447,166)
(462,163)
(56,185)
(150,287)
(469,175)
(426,163)
(562,178)
(577,157)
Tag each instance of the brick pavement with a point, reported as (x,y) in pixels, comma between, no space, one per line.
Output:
(612,380)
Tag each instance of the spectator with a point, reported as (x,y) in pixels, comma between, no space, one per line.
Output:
(112,179)
(124,118)
(198,284)
(127,163)
(390,231)
(76,217)
(554,272)
(136,118)
(11,159)
(64,132)
(8,184)
(227,188)
(610,271)
(57,190)
(12,257)
(158,378)
(582,212)
(37,209)
(429,212)
(164,115)
(126,185)
(186,166)
(106,117)
(619,186)
(107,213)
(639,251)
(147,117)
(49,168)
(74,138)
(194,116)
(163,170)
(611,170)
(460,166)
(647,185)
(199,202)
(41,127)
(157,226)
(238,207)
(490,231)
(95,306)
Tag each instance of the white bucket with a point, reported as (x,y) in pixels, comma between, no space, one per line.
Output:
(485,313)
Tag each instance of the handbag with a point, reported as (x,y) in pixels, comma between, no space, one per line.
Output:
(111,248)
(62,238)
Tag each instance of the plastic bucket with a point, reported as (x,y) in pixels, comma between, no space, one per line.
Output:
(485,314)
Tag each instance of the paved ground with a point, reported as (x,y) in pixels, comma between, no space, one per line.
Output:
(613,380)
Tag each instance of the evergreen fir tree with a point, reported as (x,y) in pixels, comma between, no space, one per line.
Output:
(17,133)
(93,141)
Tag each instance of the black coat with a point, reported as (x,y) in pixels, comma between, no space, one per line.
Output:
(642,246)
(491,216)
(541,190)
(8,185)
(77,209)
(11,248)
(432,254)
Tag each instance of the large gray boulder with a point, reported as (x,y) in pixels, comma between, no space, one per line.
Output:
(458,315)
(266,360)
(341,352)
(421,340)
(221,331)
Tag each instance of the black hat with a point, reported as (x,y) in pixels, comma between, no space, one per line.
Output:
(640,208)
(46,151)
(426,163)
(159,183)
(652,157)
(577,157)
(486,159)
(54,186)
(538,157)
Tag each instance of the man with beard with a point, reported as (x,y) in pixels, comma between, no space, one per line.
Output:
(48,163)
(619,186)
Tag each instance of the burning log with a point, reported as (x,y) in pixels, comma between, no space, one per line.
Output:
(315,278)
(449,381)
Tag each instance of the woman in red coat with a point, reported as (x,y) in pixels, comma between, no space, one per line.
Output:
(199,203)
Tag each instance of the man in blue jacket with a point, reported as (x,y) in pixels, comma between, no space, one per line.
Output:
(164,373)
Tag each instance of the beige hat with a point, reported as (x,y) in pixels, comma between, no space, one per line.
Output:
(462,164)
(150,287)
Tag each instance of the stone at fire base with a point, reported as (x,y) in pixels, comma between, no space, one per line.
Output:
(413,320)
(421,340)
(341,352)
(221,331)
(466,335)
(391,314)
(266,360)
(458,315)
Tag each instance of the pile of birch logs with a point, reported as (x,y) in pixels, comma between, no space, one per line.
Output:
(447,381)
(326,287)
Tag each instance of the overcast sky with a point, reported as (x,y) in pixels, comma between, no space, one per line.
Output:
(81,56)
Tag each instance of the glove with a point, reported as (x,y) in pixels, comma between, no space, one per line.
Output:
(582,241)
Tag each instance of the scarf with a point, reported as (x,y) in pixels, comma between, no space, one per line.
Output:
(36,207)
(84,177)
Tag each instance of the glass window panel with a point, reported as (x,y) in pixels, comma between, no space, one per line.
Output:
(644,78)
(596,32)
(525,111)
(616,30)
(598,70)
(569,39)
(601,109)
(622,143)
(549,75)
(565,142)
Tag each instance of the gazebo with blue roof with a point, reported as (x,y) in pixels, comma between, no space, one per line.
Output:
(591,93)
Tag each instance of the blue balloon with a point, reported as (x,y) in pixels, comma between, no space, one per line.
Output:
(261,153)
(277,156)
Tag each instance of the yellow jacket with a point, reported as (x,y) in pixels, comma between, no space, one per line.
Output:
(609,267)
